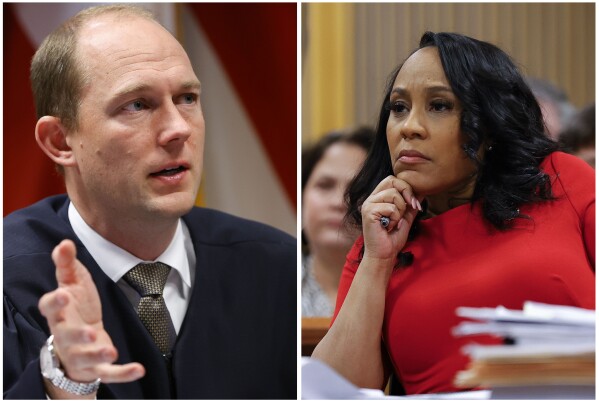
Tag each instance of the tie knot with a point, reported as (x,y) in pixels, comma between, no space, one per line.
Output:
(148,279)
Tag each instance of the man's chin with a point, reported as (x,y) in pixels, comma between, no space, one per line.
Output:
(173,205)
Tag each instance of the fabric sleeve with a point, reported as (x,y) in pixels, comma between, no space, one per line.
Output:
(577,179)
(352,261)
(22,342)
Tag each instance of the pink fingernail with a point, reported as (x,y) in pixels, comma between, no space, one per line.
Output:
(414,201)
(419,206)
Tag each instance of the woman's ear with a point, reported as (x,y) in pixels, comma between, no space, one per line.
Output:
(51,136)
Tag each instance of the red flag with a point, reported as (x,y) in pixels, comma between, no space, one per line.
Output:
(29,175)
(259,56)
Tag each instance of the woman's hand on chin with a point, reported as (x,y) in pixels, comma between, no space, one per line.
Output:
(395,200)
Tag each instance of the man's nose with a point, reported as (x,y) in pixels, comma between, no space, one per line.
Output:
(174,125)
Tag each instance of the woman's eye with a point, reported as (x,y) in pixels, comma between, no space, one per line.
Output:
(441,106)
(397,107)
(325,184)
(135,106)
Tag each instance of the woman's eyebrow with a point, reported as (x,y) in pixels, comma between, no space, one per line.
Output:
(401,91)
(439,88)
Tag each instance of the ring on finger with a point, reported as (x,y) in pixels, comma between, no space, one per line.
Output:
(384,221)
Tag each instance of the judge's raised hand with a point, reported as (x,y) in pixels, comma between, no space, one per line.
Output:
(74,315)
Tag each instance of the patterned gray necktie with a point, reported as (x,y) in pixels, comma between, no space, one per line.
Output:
(149,280)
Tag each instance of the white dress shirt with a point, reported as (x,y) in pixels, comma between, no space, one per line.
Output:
(116,262)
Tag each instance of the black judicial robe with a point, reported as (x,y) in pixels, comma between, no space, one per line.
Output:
(238,338)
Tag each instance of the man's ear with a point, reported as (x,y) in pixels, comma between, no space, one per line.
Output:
(51,136)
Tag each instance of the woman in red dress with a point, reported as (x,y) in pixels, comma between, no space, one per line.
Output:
(462,201)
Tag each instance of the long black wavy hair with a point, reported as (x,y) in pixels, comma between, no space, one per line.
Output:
(499,110)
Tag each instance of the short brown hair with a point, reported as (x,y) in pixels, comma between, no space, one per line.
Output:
(57,79)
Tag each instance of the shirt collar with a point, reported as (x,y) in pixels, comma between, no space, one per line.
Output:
(116,262)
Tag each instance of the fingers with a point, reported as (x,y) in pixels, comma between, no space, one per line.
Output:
(74,334)
(74,315)
(388,203)
(402,187)
(80,348)
(392,199)
(65,258)
(405,223)
(86,358)
(115,373)
(81,357)
(109,373)
(52,306)
(73,276)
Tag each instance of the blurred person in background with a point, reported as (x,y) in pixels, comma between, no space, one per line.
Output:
(578,137)
(555,105)
(327,168)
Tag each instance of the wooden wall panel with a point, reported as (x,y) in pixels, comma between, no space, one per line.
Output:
(553,41)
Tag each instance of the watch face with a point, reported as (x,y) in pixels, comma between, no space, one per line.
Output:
(47,362)
(50,367)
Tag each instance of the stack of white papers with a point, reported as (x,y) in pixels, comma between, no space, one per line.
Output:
(319,381)
(551,345)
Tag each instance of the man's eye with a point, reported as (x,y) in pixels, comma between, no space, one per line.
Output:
(189,98)
(135,106)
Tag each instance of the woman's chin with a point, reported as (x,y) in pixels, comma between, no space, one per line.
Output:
(414,179)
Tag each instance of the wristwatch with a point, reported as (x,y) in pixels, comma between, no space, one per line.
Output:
(50,366)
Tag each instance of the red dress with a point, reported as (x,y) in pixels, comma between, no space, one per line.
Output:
(459,260)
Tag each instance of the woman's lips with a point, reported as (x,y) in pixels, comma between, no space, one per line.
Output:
(412,157)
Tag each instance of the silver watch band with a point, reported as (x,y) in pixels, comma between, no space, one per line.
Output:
(51,370)
(73,387)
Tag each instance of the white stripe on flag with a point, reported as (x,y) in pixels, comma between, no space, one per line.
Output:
(238,176)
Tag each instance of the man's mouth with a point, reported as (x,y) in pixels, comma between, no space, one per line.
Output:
(170,171)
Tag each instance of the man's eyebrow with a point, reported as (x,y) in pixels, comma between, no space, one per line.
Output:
(191,85)
(130,89)
(141,87)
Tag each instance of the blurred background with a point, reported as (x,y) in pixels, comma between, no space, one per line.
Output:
(245,55)
(349,49)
